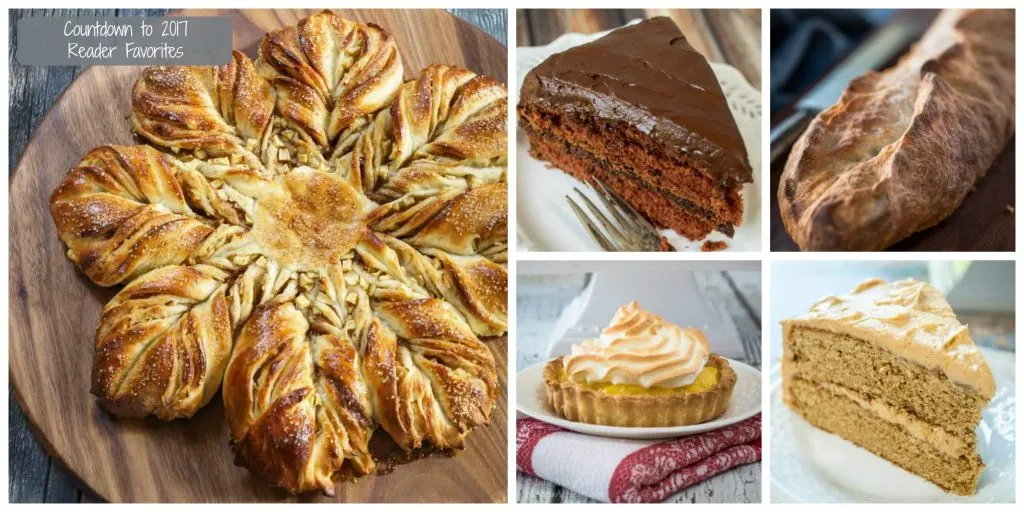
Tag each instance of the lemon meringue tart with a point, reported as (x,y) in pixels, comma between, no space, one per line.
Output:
(643,371)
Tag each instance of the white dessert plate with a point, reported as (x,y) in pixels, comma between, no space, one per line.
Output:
(546,223)
(531,400)
(811,465)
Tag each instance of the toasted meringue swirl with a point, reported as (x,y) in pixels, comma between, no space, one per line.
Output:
(640,348)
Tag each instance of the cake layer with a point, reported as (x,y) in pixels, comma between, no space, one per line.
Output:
(952,445)
(824,356)
(657,204)
(839,414)
(626,149)
(651,202)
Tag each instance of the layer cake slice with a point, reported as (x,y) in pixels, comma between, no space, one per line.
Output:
(891,369)
(641,110)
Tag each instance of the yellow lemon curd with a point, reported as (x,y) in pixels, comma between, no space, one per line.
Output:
(706,379)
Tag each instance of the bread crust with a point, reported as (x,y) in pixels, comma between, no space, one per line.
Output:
(902,148)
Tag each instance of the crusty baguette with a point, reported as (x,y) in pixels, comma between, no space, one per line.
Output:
(902,148)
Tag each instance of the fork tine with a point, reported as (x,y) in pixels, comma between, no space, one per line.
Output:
(641,221)
(646,236)
(754,345)
(626,214)
(587,223)
(756,342)
(614,207)
(609,227)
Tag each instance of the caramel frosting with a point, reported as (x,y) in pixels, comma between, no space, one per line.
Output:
(908,318)
(949,444)
(640,348)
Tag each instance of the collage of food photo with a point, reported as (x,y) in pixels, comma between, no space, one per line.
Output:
(509,256)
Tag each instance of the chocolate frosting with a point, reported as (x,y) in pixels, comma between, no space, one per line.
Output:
(647,75)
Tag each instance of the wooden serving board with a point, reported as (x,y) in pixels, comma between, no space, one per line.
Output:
(54,312)
(983,222)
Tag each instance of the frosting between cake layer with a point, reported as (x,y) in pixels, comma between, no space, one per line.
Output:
(909,318)
(943,441)
(640,348)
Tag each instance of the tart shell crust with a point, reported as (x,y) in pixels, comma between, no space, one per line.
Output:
(576,402)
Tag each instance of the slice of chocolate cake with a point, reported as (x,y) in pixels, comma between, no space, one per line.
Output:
(641,110)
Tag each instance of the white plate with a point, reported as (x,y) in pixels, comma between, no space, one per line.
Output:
(811,465)
(546,223)
(531,400)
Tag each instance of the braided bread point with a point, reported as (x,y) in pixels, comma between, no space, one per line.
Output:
(430,378)
(447,114)
(121,212)
(473,131)
(163,343)
(331,75)
(476,286)
(465,233)
(424,178)
(293,391)
(205,112)
(295,400)
(474,222)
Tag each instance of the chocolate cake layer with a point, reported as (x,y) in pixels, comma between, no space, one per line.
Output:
(647,75)
(674,213)
(626,181)
(622,149)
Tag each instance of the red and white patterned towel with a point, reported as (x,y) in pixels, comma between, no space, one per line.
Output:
(632,471)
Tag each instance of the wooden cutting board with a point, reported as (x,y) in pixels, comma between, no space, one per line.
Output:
(54,311)
(983,222)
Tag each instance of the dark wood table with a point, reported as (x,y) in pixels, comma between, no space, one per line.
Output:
(39,478)
(732,36)
(983,222)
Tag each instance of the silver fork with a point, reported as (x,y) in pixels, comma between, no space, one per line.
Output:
(630,231)
(752,349)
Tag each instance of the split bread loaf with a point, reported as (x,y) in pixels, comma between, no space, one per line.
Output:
(902,148)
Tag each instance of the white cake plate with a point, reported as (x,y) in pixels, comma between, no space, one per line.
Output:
(531,400)
(813,466)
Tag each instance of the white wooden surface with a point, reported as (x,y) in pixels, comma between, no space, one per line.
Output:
(541,299)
